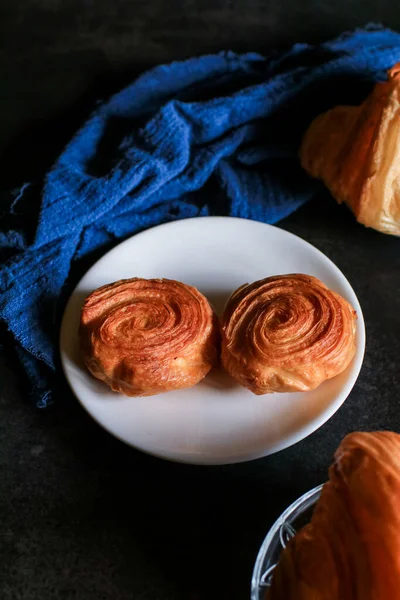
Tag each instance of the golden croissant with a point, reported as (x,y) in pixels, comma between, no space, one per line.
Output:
(287,333)
(351,548)
(355,150)
(146,336)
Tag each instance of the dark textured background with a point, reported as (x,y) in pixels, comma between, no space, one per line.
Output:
(83,516)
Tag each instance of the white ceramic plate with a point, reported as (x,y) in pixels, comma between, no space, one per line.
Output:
(217,421)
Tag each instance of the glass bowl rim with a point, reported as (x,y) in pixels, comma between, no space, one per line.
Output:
(304,502)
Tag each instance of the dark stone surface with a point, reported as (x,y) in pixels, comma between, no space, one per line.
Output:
(83,516)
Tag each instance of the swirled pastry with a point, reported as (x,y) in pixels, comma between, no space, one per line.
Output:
(355,150)
(287,333)
(146,336)
(351,548)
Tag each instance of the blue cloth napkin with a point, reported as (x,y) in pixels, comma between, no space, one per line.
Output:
(212,135)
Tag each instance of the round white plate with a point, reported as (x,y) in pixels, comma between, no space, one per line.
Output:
(217,421)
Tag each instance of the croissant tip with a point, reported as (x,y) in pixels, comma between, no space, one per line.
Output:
(350,148)
(394,72)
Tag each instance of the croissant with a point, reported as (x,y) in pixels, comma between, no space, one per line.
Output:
(146,336)
(351,548)
(355,151)
(286,333)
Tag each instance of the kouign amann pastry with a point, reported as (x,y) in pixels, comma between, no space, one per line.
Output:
(146,336)
(287,333)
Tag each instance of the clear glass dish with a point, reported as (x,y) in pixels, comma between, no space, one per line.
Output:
(294,518)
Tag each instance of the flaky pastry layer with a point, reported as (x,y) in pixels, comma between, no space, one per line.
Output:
(351,548)
(146,336)
(287,333)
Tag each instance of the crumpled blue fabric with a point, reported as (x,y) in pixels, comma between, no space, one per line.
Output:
(217,134)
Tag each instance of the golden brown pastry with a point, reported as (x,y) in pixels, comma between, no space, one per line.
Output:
(355,150)
(351,548)
(287,333)
(146,336)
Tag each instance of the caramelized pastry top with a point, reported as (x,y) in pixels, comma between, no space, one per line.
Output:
(286,333)
(145,336)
